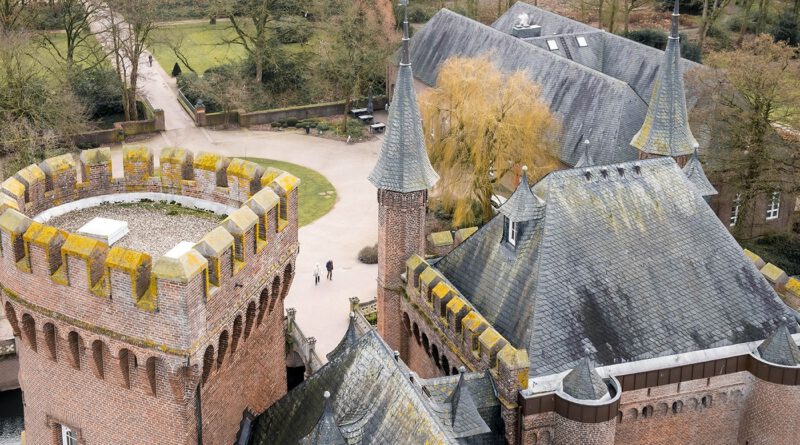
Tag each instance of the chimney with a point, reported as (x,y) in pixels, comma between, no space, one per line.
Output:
(524,29)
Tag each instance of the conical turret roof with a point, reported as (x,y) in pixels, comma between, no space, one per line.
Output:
(584,383)
(326,431)
(523,205)
(403,164)
(780,348)
(697,176)
(665,131)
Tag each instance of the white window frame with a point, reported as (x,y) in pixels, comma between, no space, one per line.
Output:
(736,206)
(512,233)
(582,41)
(774,206)
(552,45)
(68,436)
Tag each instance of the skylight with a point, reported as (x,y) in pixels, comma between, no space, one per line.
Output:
(582,41)
(552,45)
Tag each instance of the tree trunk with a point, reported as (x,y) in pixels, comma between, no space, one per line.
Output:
(259,70)
(132,95)
(626,15)
(613,16)
(600,14)
(745,18)
(703,25)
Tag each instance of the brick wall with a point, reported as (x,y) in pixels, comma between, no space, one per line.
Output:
(770,415)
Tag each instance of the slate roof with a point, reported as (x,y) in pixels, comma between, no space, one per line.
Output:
(697,176)
(584,383)
(627,263)
(780,348)
(350,338)
(373,401)
(522,205)
(599,92)
(403,164)
(665,131)
(326,431)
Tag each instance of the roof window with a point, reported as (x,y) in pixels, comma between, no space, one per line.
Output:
(581,41)
(552,45)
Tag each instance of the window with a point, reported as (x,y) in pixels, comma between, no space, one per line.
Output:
(68,437)
(581,41)
(552,45)
(735,207)
(774,206)
(512,233)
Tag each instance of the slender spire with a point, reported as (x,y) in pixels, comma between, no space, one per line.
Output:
(665,131)
(523,204)
(780,348)
(403,164)
(584,383)
(697,176)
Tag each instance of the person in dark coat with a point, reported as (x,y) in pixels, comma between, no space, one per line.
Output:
(329,266)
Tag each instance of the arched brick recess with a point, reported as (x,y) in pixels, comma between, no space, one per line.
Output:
(125,367)
(426,344)
(98,357)
(263,301)
(208,362)
(407,323)
(49,332)
(11,315)
(288,276)
(75,345)
(237,332)
(152,372)
(435,354)
(445,365)
(276,292)
(222,348)
(250,315)
(29,331)
(416,334)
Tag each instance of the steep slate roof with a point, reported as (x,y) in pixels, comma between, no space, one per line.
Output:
(584,383)
(665,131)
(599,92)
(326,431)
(780,348)
(403,164)
(373,402)
(622,267)
(464,416)
(697,176)
(522,205)
(350,338)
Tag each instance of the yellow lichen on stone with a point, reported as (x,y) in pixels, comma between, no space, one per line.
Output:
(455,305)
(174,155)
(214,243)
(83,246)
(245,169)
(516,360)
(181,269)
(270,174)
(6,202)
(240,221)
(209,161)
(58,164)
(489,338)
(44,235)
(96,156)
(793,287)
(441,290)
(13,187)
(287,182)
(465,233)
(773,273)
(472,322)
(127,260)
(14,222)
(263,201)
(752,256)
(31,174)
(440,239)
(137,154)
(428,275)
(413,261)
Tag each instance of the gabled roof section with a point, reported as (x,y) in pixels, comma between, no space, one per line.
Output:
(326,431)
(780,348)
(586,101)
(697,176)
(628,263)
(523,205)
(584,383)
(465,419)
(665,131)
(403,164)
(350,338)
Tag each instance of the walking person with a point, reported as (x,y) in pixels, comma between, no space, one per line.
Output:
(150,59)
(329,266)
(316,274)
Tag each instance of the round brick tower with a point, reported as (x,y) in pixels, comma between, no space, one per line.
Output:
(403,175)
(117,346)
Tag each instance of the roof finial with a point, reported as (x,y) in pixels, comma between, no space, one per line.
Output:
(406,59)
(675,15)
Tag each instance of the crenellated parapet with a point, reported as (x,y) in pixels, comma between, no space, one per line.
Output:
(186,299)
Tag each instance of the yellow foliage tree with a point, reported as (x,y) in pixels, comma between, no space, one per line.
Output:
(479,124)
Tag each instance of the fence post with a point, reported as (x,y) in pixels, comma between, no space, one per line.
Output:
(159,120)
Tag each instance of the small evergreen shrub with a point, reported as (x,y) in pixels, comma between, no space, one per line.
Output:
(176,70)
(369,255)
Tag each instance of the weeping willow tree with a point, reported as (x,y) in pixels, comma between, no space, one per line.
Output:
(481,124)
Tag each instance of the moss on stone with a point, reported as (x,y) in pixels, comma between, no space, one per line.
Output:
(96,156)
(83,247)
(58,164)
(13,187)
(245,169)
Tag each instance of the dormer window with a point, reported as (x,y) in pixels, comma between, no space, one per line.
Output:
(581,41)
(552,45)
(511,232)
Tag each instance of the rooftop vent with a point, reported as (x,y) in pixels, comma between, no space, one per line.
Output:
(587,174)
(604,172)
(621,171)
(581,41)
(524,29)
(637,168)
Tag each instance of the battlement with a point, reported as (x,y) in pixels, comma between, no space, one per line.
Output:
(181,297)
(478,343)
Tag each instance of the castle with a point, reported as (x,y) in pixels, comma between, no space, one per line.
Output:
(119,347)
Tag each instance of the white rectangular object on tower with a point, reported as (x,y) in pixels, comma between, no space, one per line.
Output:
(106,230)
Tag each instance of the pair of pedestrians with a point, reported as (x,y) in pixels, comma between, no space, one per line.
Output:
(328,267)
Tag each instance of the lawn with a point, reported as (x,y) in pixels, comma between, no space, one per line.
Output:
(317,195)
(203,45)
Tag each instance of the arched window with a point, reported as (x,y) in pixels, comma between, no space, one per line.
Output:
(223,348)
(435,354)
(50,340)
(151,365)
(288,276)
(29,331)
(677,407)
(98,356)
(74,340)
(276,289)
(631,414)
(237,332)
(647,412)
(125,368)
(416,334)
(11,315)
(661,409)
(426,344)
(208,362)
(263,302)
(248,318)
(445,365)
(706,401)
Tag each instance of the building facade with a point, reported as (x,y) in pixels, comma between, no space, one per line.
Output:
(118,347)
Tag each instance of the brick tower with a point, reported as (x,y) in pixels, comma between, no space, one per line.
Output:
(403,175)
(118,347)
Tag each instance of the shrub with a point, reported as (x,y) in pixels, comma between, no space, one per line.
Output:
(418,14)
(291,122)
(99,89)
(323,126)
(368,255)
(176,70)
(292,29)
(787,28)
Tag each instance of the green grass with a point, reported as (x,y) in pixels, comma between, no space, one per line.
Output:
(317,194)
(202,45)
(43,56)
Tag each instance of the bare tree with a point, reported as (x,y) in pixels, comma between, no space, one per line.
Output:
(709,18)
(76,18)
(11,14)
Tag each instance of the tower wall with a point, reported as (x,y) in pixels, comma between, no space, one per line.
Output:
(770,411)
(401,234)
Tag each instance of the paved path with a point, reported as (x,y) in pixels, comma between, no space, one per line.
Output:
(322,311)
